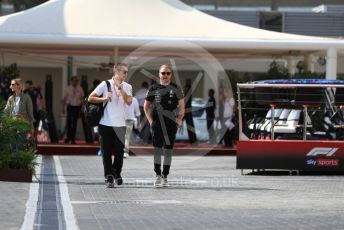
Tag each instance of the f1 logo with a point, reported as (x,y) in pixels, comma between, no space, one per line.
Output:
(322,151)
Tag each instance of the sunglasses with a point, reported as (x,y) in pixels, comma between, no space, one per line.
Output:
(165,73)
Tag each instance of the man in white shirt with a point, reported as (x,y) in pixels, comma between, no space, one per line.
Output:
(132,113)
(72,97)
(112,125)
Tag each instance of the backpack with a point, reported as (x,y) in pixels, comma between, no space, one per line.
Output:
(94,111)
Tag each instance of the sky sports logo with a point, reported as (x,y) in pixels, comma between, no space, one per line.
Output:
(317,157)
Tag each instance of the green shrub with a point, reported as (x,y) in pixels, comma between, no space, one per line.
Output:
(25,159)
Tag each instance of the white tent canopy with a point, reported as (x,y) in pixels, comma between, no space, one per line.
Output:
(104,26)
(132,23)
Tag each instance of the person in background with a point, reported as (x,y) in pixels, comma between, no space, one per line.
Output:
(144,126)
(40,102)
(33,93)
(94,129)
(210,111)
(19,106)
(5,90)
(112,125)
(132,113)
(228,115)
(163,101)
(220,118)
(95,84)
(73,96)
(84,84)
(41,115)
(49,91)
(28,87)
(141,95)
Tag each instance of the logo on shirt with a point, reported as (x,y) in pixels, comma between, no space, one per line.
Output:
(171,96)
(157,96)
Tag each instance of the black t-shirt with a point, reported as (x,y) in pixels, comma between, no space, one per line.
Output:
(164,99)
(33,94)
(210,108)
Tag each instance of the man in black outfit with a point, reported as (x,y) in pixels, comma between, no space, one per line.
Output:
(188,114)
(210,110)
(33,93)
(161,105)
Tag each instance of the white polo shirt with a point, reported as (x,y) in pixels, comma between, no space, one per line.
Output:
(133,110)
(114,114)
(73,95)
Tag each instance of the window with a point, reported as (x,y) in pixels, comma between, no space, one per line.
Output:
(271,21)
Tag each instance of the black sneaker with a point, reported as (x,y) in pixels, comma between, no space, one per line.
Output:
(118,179)
(109,182)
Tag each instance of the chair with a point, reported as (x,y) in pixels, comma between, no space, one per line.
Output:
(281,120)
(291,124)
(254,127)
(266,127)
(308,97)
(327,129)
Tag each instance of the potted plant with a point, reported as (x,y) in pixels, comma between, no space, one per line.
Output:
(17,155)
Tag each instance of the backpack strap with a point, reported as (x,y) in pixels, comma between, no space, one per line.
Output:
(109,90)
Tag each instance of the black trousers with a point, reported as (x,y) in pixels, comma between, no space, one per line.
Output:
(210,127)
(112,140)
(164,135)
(72,120)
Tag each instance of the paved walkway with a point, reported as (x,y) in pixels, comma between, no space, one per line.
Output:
(205,193)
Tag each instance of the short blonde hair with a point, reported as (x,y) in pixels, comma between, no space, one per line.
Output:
(166,66)
(119,66)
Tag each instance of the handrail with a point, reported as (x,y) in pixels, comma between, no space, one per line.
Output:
(273,102)
(252,85)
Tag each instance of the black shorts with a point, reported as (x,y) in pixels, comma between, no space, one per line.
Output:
(164,136)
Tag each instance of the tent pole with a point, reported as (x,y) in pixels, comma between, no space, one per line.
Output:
(291,66)
(2,61)
(115,55)
(64,84)
(331,64)
(308,58)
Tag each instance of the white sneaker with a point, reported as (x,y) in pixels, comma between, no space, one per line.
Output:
(157,182)
(164,182)
(125,155)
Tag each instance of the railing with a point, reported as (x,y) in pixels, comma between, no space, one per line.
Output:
(305,96)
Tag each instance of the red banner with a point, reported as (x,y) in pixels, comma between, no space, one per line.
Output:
(291,154)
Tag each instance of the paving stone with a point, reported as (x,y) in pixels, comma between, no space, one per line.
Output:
(204,193)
